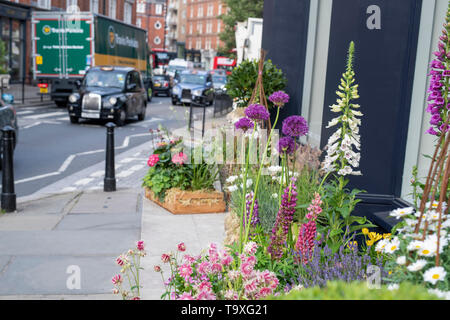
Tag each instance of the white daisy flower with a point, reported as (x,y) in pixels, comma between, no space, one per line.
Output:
(232,188)
(434,204)
(401,212)
(417,266)
(434,275)
(274,195)
(392,246)
(415,245)
(401,260)
(428,249)
(381,245)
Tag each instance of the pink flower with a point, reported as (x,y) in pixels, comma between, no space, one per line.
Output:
(227,260)
(181,247)
(136,298)
(246,268)
(204,286)
(264,292)
(161,144)
(204,267)
(153,160)
(250,287)
(165,257)
(121,260)
(185,270)
(140,245)
(251,260)
(117,279)
(250,248)
(179,158)
(206,295)
(216,268)
(189,259)
(186,296)
(157,268)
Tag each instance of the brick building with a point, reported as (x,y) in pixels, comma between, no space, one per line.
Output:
(203,27)
(15,26)
(151,16)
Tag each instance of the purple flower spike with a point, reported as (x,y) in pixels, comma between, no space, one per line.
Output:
(279,98)
(295,126)
(286,145)
(257,112)
(244,124)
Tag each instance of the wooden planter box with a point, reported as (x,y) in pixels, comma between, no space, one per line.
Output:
(190,202)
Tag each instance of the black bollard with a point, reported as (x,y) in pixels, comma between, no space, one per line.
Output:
(190,118)
(109,183)
(8,197)
(203,122)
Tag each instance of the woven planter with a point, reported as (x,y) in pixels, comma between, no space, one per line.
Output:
(179,201)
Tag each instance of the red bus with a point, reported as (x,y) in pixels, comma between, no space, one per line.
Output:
(224,63)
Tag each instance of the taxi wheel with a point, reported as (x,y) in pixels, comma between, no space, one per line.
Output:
(74,119)
(120,120)
(174,101)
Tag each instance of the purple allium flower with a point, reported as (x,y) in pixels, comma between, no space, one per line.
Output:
(286,145)
(283,222)
(257,112)
(244,124)
(279,98)
(295,126)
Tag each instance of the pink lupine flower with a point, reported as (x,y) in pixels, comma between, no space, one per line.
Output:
(181,247)
(117,279)
(140,245)
(179,158)
(185,270)
(186,296)
(153,160)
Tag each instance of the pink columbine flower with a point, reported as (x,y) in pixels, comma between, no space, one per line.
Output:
(185,270)
(121,260)
(186,296)
(140,245)
(216,268)
(165,257)
(181,247)
(117,279)
(264,292)
(153,160)
(157,268)
(205,286)
(204,267)
(179,158)
(250,248)
(246,268)
(227,260)
(206,295)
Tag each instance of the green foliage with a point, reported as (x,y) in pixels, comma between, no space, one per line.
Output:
(307,185)
(3,60)
(242,81)
(160,179)
(339,290)
(238,11)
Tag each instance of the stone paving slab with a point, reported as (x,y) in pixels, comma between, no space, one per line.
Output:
(100,221)
(16,222)
(107,202)
(44,274)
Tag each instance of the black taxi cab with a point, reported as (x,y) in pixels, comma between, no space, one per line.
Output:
(109,92)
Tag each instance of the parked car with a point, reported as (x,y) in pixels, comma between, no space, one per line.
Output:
(219,82)
(194,87)
(109,92)
(8,117)
(161,84)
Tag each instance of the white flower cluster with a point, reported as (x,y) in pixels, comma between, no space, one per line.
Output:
(231,187)
(421,252)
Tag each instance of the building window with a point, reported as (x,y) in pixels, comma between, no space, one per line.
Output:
(157,25)
(127,12)
(72,4)
(200,11)
(210,10)
(208,44)
(158,9)
(190,44)
(209,27)
(220,9)
(190,28)
(192,12)
(45,4)
(218,26)
(140,7)
(183,30)
(112,8)
(183,14)
(199,27)
(93,6)
(139,22)
(198,44)
(157,40)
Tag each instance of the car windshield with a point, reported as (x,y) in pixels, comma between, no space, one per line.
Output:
(175,68)
(107,79)
(218,79)
(160,78)
(192,78)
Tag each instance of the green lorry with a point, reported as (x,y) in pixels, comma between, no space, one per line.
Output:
(65,45)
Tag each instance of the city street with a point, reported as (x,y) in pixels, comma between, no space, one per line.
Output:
(52,151)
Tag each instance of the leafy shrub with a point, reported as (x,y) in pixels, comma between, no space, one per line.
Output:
(242,81)
(357,290)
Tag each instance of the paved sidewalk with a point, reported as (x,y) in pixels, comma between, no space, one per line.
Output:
(52,238)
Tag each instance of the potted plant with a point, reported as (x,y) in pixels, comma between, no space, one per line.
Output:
(178,184)
(4,75)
